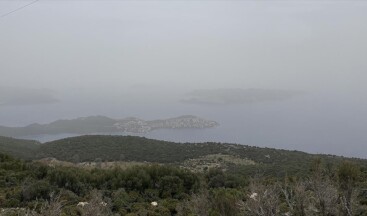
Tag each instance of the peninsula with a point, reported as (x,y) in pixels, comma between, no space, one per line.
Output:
(102,124)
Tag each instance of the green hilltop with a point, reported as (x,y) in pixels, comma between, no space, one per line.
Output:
(20,148)
(173,179)
(139,149)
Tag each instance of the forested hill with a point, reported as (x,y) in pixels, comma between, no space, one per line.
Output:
(214,178)
(129,148)
(25,149)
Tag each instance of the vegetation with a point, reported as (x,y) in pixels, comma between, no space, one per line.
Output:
(206,179)
(100,148)
(25,149)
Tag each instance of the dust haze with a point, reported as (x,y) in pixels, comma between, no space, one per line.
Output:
(69,59)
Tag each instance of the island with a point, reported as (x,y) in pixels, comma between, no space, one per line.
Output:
(237,96)
(102,124)
(14,96)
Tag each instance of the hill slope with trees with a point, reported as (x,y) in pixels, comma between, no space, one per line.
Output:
(32,188)
(138,149)
(25,149)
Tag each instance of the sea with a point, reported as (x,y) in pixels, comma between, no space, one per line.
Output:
(313,123)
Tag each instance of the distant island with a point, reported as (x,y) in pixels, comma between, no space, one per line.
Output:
(237,96)
(102,124)
(14,96)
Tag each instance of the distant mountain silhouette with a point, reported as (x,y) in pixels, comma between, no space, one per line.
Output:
(102,124)
(237,96)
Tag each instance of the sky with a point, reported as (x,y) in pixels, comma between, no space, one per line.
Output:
(119,58)
(64,45)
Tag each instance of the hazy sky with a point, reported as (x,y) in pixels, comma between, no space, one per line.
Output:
(110,45)
(137,58)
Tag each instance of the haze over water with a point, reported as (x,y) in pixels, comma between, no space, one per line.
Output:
(140,58)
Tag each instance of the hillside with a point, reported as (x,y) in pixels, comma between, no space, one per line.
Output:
(299,184)
(130,148)
(25,149)
(231,157)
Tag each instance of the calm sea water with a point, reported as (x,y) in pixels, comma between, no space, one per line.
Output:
(316,124)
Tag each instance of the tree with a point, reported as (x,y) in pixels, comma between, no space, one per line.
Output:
(98,162)
(198,204)
(296,196)
(53,207)
(76,158)
(262,199)
(324,192)
(348,174)
(96,206)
